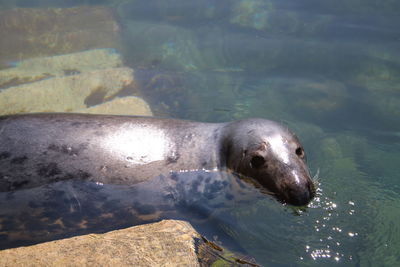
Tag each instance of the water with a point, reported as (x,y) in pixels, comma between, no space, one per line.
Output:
(328,69)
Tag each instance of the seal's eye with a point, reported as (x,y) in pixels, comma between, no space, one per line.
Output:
(300,152)
(257,162)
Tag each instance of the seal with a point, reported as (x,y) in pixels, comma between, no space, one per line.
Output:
(40,149)
(69,174)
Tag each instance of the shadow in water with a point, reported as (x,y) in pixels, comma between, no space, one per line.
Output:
(71,208)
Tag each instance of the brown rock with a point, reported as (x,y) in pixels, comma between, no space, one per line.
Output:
(166,243)
(31,32)
(129,105)
(64,94)
(35,69)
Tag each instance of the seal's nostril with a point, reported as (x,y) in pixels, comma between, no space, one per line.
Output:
(300,152)
(300,197)
(304,198)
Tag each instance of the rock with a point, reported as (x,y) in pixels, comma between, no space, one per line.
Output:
(34,32)
(183,12)
(324,96)
(150,45)
(166,243)
(64,94)
(313,99)
(76,82)
(268,16)
(129,105)
(252,13)
(380,82)
(35,69)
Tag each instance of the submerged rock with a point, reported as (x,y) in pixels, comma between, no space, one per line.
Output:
(252,13)
(269,16)
(64,94)
(34,32)
(169,47)
(35,69)
(166,243)
(129,105)
(380,84)
(318,97)
(63,60)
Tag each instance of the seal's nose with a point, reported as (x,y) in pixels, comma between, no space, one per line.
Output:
(300,199)
(301,196)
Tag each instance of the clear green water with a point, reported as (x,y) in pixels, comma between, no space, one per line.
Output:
(330,70)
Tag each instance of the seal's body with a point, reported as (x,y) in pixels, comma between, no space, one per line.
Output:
(44,148)
(38,149)
(68,174)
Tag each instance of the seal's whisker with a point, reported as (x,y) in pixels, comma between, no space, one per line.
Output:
(257,185)
(315,178)
(267,192)
(316,181)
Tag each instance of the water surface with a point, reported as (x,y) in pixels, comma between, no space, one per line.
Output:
(328,69)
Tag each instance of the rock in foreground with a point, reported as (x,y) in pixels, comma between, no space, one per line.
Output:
(166,243)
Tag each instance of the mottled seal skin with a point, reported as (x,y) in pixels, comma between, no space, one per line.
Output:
(39,149)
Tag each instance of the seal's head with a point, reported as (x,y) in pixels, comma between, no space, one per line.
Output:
(270,154)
